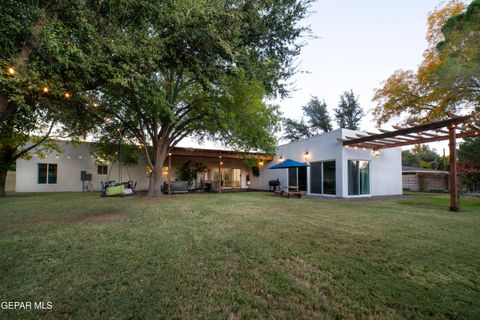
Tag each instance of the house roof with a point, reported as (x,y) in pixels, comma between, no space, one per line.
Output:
(216,153)
(407,169)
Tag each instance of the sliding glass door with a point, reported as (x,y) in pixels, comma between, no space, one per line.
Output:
(323,177)
(297,178)
(358,177)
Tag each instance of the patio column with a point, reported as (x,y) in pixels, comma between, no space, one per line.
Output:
(169,171)
(454,205)
(220,174)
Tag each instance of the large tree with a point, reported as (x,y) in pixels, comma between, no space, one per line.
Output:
(295,130)
(317,114)
(349,113)
(447,81)
(318,121)
(48,53)
(202,69)
(422,156)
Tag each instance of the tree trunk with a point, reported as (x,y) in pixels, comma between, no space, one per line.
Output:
(3,180)
(156,181)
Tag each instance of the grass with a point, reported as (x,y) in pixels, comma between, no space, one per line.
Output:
(240,256)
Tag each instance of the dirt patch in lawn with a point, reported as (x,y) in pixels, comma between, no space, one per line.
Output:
(114,216)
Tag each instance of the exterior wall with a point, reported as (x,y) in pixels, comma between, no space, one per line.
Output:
(385,169)
(10,182)
(425,181)
(409,181)
(70,162)
(320,148)
(76,158)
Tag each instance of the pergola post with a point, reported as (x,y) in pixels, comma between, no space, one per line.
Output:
(219,174)
(169,171)
(454,205)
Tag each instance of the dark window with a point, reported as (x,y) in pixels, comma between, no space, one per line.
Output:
(42,172)
(302,178)
(316,177)
(102,169)
(358,177)
(329,177)
(292,177)
(47,173)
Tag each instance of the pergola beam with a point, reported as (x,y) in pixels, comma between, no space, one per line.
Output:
(466,134)
(407,131)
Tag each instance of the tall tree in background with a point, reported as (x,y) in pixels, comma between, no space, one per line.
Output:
(448,80)
(349,112)
(422,156)
(295,130)
(317,115)
(318,121)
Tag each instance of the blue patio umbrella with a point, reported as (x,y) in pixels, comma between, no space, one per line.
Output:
(289,163)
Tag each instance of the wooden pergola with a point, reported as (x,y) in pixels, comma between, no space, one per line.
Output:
(449,129)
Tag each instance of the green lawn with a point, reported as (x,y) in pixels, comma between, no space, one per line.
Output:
(240,255)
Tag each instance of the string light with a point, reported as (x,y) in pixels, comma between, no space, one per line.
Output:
(45,89)
(67,95)
(11,71)
(95,104)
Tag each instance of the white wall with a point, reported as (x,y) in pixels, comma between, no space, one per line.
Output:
(323,147)
(76,158)
(70,162)
(385,170)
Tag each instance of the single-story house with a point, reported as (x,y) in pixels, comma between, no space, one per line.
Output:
(333,170)
(424,179)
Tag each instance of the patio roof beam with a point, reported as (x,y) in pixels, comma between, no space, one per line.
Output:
(465,134)
(411,130)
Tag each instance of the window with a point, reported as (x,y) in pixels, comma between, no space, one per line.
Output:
(316,177)
(329,178)
(47,173)
(102,169)
(358,177)
(323,177)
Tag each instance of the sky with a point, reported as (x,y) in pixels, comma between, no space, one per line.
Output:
(357,45)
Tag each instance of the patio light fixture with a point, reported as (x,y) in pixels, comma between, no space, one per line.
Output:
(306,155)
(376,152)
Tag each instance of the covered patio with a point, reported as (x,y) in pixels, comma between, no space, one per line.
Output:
(224,170)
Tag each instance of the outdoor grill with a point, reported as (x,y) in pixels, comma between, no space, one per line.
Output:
(273,184)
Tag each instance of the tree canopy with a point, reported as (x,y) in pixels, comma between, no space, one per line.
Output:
(317,115)
(349,113)
(318,121)
(447,81)
(159,71)
(422,156)
(202,69)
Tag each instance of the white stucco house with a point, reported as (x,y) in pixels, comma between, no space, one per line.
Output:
(334,170)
